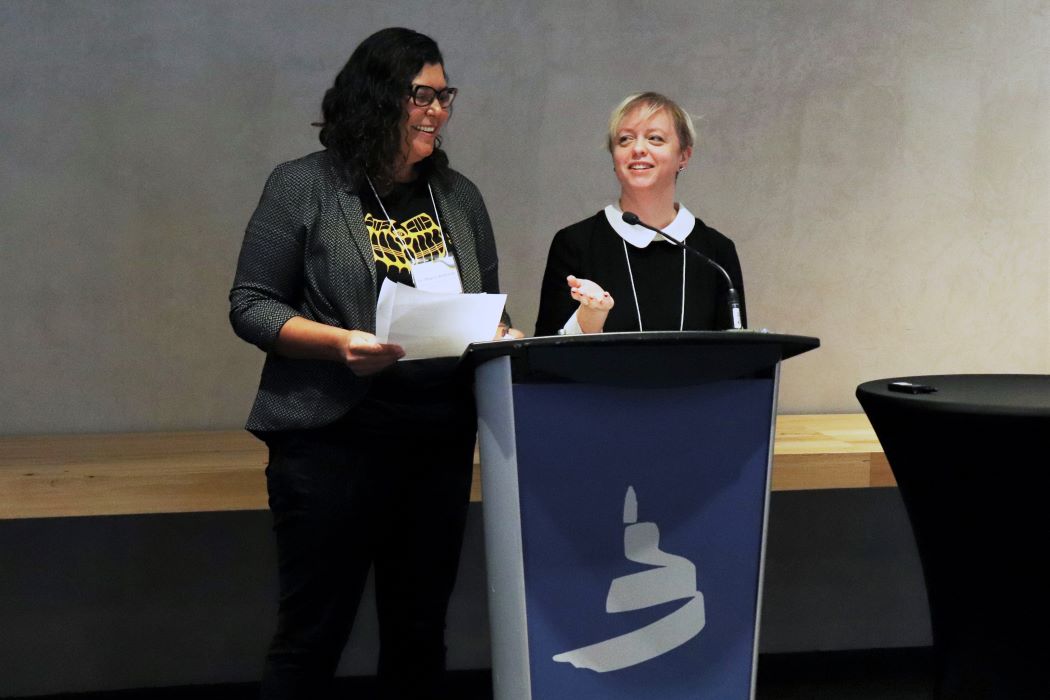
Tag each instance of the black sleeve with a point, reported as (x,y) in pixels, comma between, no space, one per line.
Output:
(268,284)
(556,306)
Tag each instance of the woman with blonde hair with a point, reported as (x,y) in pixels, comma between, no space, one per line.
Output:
(606,275)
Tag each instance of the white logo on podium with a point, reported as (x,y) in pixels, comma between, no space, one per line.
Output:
(674,578)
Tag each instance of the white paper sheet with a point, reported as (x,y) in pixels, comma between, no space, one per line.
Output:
(434,324)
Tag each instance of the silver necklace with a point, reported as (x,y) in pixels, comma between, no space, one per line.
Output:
(393,229)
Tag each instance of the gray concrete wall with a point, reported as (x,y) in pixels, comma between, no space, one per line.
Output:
(882,166)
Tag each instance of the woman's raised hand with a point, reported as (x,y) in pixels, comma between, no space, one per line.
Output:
(589,294)
(594,301)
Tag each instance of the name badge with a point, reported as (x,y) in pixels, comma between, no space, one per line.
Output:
(440,275)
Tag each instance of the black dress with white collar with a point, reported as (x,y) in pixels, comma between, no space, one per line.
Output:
(594,250)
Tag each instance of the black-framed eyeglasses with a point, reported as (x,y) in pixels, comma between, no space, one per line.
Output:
(424,95)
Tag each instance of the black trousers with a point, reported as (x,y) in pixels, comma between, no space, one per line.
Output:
(344,500)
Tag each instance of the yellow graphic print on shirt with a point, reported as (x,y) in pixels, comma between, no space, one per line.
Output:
(420,234)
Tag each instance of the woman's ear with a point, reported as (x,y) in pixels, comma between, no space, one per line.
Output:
(683,158)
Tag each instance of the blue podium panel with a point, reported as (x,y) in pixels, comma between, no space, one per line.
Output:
(642,517)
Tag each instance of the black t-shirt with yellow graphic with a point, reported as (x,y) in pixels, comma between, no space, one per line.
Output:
(429,394)
(415,228)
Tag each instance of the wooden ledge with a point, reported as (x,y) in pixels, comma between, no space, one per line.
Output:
(48,476)
(829,451)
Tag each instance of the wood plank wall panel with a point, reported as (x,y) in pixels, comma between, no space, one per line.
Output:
(133,473)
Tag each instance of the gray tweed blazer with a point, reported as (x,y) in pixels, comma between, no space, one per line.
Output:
(306,252)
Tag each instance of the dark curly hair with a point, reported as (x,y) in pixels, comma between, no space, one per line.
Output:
(362,111)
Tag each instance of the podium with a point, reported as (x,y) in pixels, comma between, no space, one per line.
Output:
(625,494)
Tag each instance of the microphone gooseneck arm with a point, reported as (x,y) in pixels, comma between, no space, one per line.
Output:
(629,217)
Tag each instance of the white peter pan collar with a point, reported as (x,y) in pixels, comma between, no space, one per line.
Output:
(640,237)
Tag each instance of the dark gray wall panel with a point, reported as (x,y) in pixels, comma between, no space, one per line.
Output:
(168,600)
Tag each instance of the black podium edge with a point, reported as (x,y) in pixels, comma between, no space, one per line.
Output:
(790,345)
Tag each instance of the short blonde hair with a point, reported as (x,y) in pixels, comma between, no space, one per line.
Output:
(651,103)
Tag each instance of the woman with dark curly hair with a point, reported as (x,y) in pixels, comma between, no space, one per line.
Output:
(370,459)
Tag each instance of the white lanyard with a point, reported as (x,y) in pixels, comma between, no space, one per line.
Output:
(637,308)
(393,229)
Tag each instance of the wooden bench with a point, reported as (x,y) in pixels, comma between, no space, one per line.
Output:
(46,476)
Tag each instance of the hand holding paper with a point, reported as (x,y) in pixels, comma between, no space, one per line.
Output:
(365,356)
(433,324)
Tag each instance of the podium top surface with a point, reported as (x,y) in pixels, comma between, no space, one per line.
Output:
(789,345)
(1006,395)
(676,355)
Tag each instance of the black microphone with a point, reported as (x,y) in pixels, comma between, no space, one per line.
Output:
(629,217)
